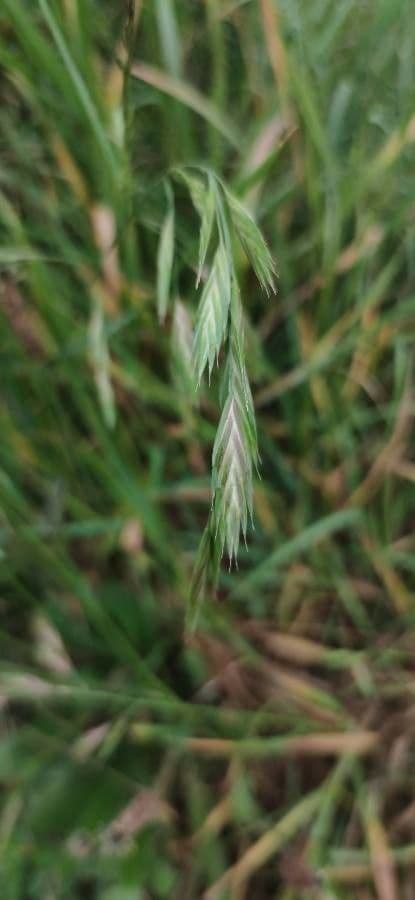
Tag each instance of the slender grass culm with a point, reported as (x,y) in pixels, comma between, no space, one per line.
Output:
(220,327)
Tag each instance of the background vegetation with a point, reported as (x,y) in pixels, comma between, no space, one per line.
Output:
(271,752)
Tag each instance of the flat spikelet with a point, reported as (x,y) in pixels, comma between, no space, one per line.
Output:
(207,214)
(203,199)
(232,478)
(212,317)
(235,450)
(253,243)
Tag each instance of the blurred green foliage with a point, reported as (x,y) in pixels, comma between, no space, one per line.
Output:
(272,753)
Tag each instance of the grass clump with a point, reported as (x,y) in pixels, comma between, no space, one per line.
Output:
(157,161)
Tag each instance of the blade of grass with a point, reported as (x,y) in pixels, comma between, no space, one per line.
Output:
(80,88)
(291,549)
(190,97)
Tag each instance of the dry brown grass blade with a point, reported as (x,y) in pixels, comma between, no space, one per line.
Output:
(275,44)
(88,742)
(300,373)
(366,355)
(269,138)
(218,817)
(382,863)
(351,873)
(405,469)
(356,742)
(70,170)
(277,55)
(146,807)
(347,259)
(265,847)
(24,319)
(105,236)
(319,388)
(188,95)
(302,691)
(404,821)
(381,859)
(49,649)
(360,870)
(318,744)
(402,599)
(393,147)
(298,650)
(391,454)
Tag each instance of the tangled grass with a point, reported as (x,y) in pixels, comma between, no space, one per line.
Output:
(157,159)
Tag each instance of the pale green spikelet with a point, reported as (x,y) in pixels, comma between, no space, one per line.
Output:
(203,199)
(238,377)
(219,324)
(252,242)
(232,478)
(235,450)
(212,317)
(196,186)
(206,227)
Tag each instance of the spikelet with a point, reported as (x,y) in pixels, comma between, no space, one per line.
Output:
(235,451)
(219,324)
(212,317)
(253,243)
